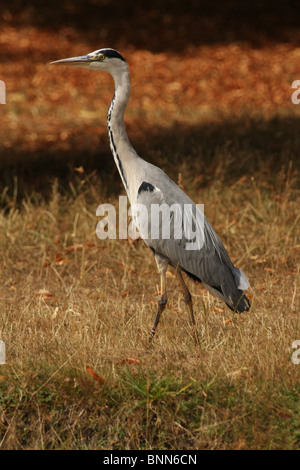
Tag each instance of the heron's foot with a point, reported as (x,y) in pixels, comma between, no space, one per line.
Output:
(188,301)
(161,306)
(151,334)
(193,324)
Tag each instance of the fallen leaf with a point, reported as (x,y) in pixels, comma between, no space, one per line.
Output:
(218,310)
(128,270)
(44,293)
(59,260)
(100,247)
(77,246)
(125,293)
(260,261)
(128,360)
(261,287)
(89,245)
(269,270)
(95,376)
(198,179)
(241,180)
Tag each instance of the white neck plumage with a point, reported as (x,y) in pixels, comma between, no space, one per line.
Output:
(121,148)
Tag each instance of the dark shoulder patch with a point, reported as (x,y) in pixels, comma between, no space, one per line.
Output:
(110,53)
(146,187)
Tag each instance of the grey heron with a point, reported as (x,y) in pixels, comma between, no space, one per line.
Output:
(147,184)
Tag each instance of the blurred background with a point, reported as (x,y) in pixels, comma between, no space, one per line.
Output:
(207,77)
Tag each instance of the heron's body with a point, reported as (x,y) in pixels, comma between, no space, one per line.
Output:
(148,185)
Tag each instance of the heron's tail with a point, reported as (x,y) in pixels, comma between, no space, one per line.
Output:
(231,290)
(235,298)
(238,303)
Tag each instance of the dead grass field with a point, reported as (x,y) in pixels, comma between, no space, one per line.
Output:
(76,311)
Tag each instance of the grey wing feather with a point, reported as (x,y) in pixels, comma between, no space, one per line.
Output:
(209,262)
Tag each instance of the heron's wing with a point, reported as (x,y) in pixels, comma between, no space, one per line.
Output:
(164,221)
(194,246)
(171,225)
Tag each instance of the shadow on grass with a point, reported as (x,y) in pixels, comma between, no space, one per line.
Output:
(207,152)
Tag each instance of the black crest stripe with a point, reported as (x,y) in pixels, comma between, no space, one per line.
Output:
(111,53)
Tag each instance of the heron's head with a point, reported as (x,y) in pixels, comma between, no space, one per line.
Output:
(106,60)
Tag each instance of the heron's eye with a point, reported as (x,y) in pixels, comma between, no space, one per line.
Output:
(101,57)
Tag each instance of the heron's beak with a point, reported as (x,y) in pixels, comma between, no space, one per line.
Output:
(76,61)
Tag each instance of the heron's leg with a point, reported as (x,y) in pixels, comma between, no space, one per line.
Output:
(162,264)
(188,300)
(161,304)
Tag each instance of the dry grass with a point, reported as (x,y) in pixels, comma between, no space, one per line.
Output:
(69,300)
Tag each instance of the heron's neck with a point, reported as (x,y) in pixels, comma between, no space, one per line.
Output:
(122,150)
